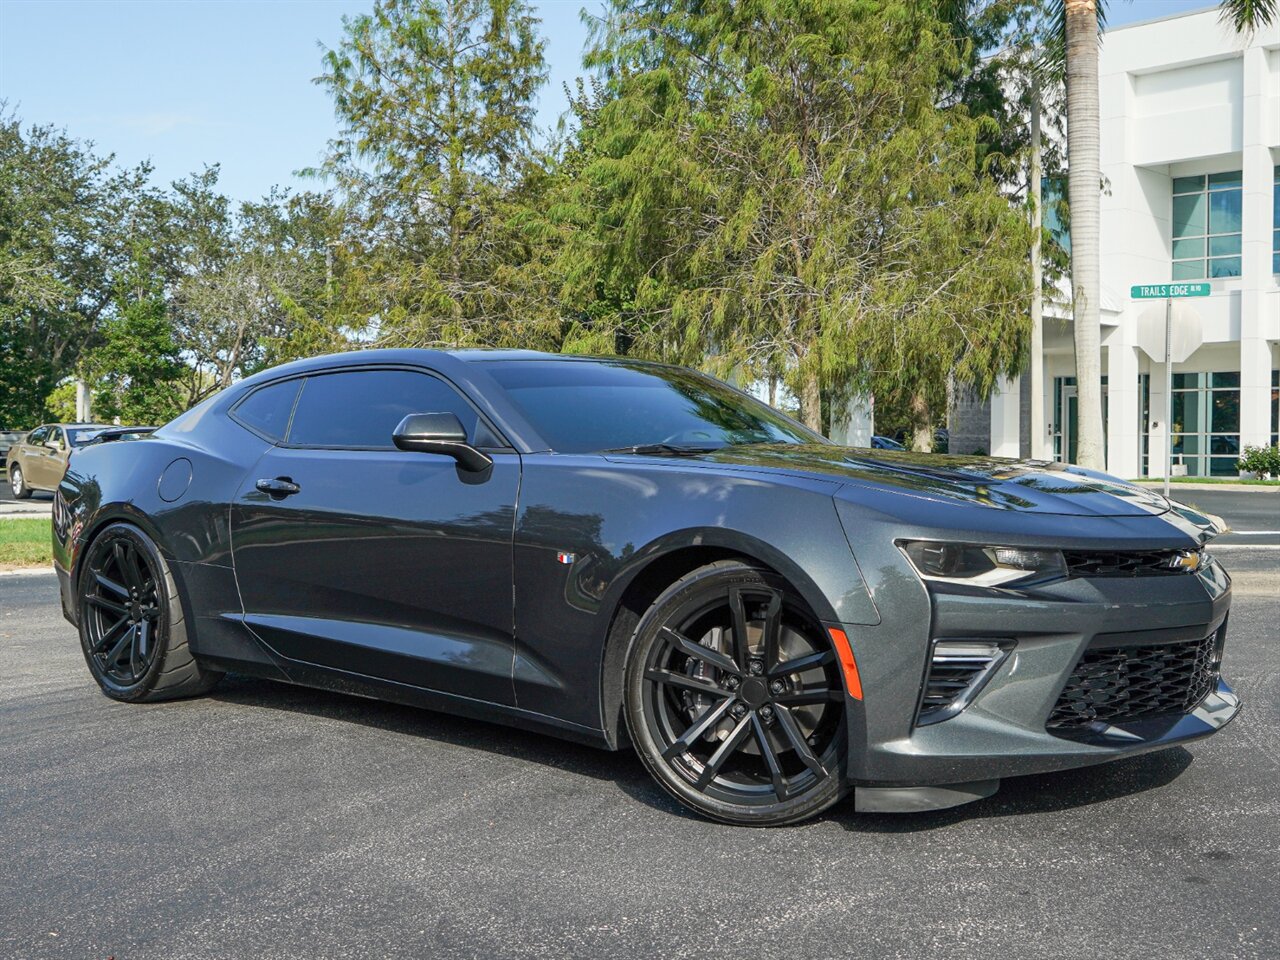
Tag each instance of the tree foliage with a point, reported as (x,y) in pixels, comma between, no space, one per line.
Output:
(435,158)
(66,216)
(777,180)
(826,195)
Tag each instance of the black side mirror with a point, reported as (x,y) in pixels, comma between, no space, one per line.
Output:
(440,433)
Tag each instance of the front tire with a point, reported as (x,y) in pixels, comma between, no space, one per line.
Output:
(132,628)
(18,483)
(734,699)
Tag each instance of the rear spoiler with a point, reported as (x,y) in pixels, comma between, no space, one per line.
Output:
(115,433)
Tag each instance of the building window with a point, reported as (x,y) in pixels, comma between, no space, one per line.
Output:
(1144,423)
(1275,223)
(1275,408)
(1206,226)
(1066,418)
(1053,203)
(1206,423)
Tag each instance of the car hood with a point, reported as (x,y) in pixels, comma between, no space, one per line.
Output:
(1021,485)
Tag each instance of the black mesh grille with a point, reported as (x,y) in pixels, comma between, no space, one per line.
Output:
(1123,563)
(1117,684)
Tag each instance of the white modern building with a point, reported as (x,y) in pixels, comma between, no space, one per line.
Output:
(1191,160)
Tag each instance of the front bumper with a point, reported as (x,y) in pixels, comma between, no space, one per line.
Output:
(1002,732)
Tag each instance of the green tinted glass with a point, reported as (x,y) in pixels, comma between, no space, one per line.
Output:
(1224,466)
(1188,270)
(1219,181)
(1189,215)
(1227,246)
(1224,267)
(1224,212)
(1193,247)
(1188,184)
(1229,378)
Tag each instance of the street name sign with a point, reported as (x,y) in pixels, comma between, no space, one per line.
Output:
(1165,291)
(1177,344)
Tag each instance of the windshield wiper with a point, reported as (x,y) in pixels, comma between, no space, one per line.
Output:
(662,450)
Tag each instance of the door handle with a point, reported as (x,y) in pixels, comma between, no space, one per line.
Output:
(279,487)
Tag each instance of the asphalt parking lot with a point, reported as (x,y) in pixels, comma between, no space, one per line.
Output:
(270,821)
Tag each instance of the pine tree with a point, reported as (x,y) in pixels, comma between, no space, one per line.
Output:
(777,180)
(435,98)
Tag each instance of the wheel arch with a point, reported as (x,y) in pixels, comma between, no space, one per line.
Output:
(656,567)
(129,514)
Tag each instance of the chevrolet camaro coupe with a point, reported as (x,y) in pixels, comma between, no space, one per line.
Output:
(632,554)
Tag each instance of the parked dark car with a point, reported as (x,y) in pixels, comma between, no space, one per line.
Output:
(885,443)
(625,553)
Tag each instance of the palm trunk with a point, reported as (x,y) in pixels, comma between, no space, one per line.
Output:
(1035,368)
(1084,186)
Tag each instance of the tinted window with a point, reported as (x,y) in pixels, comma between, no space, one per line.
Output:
(581,407)
(362,408)
(38,435)
(267,410)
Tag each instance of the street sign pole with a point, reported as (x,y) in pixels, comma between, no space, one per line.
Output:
(1168,392)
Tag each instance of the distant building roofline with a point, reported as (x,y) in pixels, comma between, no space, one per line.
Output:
(1210,8)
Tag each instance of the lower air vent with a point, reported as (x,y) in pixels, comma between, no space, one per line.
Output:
(1118,684)
(958,669)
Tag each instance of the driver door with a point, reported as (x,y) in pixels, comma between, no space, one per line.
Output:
(383,563)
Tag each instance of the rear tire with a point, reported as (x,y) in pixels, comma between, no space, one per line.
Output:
(132,627)
(18,483)
(734,698)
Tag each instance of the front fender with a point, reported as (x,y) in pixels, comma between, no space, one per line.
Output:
(587,528)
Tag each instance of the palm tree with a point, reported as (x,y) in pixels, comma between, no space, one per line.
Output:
(1080,21)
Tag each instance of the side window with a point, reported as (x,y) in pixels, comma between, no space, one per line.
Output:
(267,409)
(55,436)
(38,436)
(362,408)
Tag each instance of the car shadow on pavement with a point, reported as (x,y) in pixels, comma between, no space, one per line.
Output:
(509,741)
(1043,793)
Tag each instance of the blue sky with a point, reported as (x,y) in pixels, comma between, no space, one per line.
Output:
(229,81)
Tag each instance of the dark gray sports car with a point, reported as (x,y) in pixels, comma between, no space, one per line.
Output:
(626,553)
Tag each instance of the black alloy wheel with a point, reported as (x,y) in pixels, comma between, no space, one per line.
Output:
(132,630)
(735,700)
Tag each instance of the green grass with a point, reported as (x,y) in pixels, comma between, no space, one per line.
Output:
(1247,482)
(25,542)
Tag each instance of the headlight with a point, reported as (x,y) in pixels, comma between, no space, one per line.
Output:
(982,566)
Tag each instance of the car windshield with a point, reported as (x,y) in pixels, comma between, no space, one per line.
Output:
(583,407)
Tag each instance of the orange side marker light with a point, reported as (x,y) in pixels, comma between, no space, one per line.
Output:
(852,682)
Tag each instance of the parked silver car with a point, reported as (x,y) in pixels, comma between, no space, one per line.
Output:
(38,460)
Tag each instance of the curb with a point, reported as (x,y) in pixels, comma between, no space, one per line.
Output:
(1224,487)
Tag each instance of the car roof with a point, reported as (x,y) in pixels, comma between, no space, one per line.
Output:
(437,359)
(499,354)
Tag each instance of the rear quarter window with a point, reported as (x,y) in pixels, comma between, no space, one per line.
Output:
(267,410)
